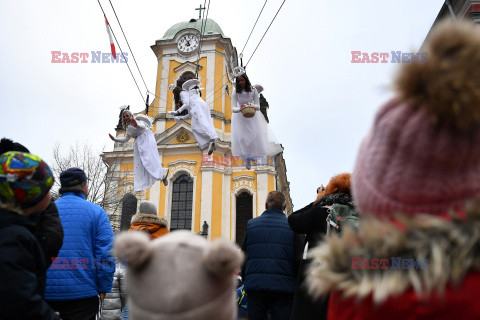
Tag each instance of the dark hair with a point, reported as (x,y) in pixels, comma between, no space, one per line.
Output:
(248,85)
(176,91)
(8,145)
(275,200)
(176,97)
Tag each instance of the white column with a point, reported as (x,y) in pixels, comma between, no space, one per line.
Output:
(206,199)
(210,89)
(262,191)
(162,105)
(155,195)
(226,209)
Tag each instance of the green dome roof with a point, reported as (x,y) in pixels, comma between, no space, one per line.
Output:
(211,28)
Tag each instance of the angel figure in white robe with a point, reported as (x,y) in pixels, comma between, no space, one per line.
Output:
(202,123)
(251,137)
(146,160)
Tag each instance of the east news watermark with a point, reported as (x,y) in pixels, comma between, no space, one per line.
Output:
(88,57)
(389,57)
(389,263)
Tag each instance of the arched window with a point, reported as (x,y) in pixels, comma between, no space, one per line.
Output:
(129,208)
(244,206)
(176,92)
(182,201)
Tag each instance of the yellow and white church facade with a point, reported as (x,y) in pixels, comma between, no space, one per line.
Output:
(212,195)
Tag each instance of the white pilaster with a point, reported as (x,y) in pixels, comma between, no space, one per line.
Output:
(206,199)
(155,196)
(210,89)
(226,209)
(262,191)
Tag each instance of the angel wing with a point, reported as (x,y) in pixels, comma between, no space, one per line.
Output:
(145,119)
(259,88)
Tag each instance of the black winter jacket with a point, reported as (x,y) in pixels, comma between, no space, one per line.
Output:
(49,232)
(312,221)
(22,270)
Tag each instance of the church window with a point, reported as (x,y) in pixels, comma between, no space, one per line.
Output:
(244,206)
(182,201)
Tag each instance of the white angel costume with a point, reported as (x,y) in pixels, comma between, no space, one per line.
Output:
(146,161)
(202,123)
(251,137)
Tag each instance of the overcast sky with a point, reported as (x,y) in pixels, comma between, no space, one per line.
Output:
(321,105)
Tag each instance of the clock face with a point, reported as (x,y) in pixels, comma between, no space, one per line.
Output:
(188,43)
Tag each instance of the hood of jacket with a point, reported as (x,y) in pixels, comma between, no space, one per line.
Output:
(149,218)
(340,198)
(8,218)
(422,252)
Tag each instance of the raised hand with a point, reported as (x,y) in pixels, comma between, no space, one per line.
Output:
(133,122)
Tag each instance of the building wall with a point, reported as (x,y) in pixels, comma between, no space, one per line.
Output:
(217,179)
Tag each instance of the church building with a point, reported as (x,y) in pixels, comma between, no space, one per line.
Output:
(211,195)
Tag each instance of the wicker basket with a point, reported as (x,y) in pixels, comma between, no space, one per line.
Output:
(248,111)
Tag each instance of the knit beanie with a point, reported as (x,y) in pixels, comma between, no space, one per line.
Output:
(25,179)
(423,153)
(147,207)
(179,276)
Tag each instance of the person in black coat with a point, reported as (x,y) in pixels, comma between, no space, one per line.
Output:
(312,221)
(26,181)
(48,227)
(49,232)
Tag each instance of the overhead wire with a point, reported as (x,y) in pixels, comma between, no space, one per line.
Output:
(201,35)
(246,42)
(128,44)
(265,33)
(121,51)
(253,27)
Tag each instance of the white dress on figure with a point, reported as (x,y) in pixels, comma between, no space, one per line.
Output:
(251,137)
(146,161)
(202,123)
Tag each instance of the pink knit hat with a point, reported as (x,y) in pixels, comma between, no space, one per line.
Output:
(423,152)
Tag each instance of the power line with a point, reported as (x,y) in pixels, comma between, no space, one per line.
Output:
(253,27)
(131,51)
(126,60)
(265,33)
(201,36)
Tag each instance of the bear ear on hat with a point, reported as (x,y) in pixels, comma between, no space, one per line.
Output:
(223,258)
(134,248)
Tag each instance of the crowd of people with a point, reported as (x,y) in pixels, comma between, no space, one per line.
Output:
(396,239)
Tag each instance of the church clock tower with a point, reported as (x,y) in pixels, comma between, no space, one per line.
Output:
(212,195)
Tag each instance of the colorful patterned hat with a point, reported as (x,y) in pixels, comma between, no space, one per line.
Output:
(25,179)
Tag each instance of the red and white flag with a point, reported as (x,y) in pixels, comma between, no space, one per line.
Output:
(114,53)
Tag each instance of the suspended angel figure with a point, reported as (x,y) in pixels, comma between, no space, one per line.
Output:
(147,165)
(251,137)
(202,123)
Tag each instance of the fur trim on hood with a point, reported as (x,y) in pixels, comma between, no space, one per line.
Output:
(443,252)
(149,218)
(340,198)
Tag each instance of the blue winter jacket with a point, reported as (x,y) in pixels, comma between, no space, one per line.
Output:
(84,266)
(269,247)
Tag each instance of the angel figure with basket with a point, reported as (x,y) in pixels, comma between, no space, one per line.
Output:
(251,136)
(146,160)
(198,111)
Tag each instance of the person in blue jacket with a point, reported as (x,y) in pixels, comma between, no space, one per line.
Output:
(82,274)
